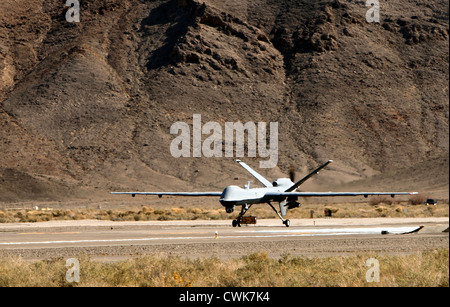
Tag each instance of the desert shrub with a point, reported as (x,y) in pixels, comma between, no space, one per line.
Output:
(376,200)
(418,199)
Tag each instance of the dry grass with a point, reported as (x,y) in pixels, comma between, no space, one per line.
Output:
(131,214)
(425,269)
(418,199)
(375,208)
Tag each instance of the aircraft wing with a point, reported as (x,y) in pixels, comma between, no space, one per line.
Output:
(314,172)
(255,174)
(333,194)
(160,194)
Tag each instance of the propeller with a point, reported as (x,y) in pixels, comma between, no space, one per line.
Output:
(292,173)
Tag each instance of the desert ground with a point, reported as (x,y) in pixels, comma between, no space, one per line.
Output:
(321,237)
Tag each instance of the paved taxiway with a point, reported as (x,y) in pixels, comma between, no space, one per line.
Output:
(319,237)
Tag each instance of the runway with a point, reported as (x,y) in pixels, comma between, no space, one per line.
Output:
(320,237)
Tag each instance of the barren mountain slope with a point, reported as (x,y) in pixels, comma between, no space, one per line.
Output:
(87,107)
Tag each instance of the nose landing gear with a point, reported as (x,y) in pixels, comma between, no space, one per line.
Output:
(240,219)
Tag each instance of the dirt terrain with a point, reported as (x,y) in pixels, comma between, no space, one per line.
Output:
(317,247)
(86,108)
(108,241)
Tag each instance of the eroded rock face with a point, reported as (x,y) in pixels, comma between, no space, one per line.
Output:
(90,104)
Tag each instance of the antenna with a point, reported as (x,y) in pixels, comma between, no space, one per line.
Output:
(247,186)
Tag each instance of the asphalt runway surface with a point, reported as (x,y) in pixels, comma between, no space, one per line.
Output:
(111,241)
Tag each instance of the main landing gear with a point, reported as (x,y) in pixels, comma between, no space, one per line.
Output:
(238,221)
(286,222)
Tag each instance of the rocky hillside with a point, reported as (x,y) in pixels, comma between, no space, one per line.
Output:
(87,107)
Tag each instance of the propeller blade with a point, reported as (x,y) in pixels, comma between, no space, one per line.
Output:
(292,173)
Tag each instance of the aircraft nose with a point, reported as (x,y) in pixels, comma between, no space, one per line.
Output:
(229,194)
(225,195)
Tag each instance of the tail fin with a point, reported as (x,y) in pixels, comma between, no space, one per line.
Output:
(314,172)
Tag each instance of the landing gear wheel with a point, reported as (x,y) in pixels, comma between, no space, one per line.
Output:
(287,223)
(236,223)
